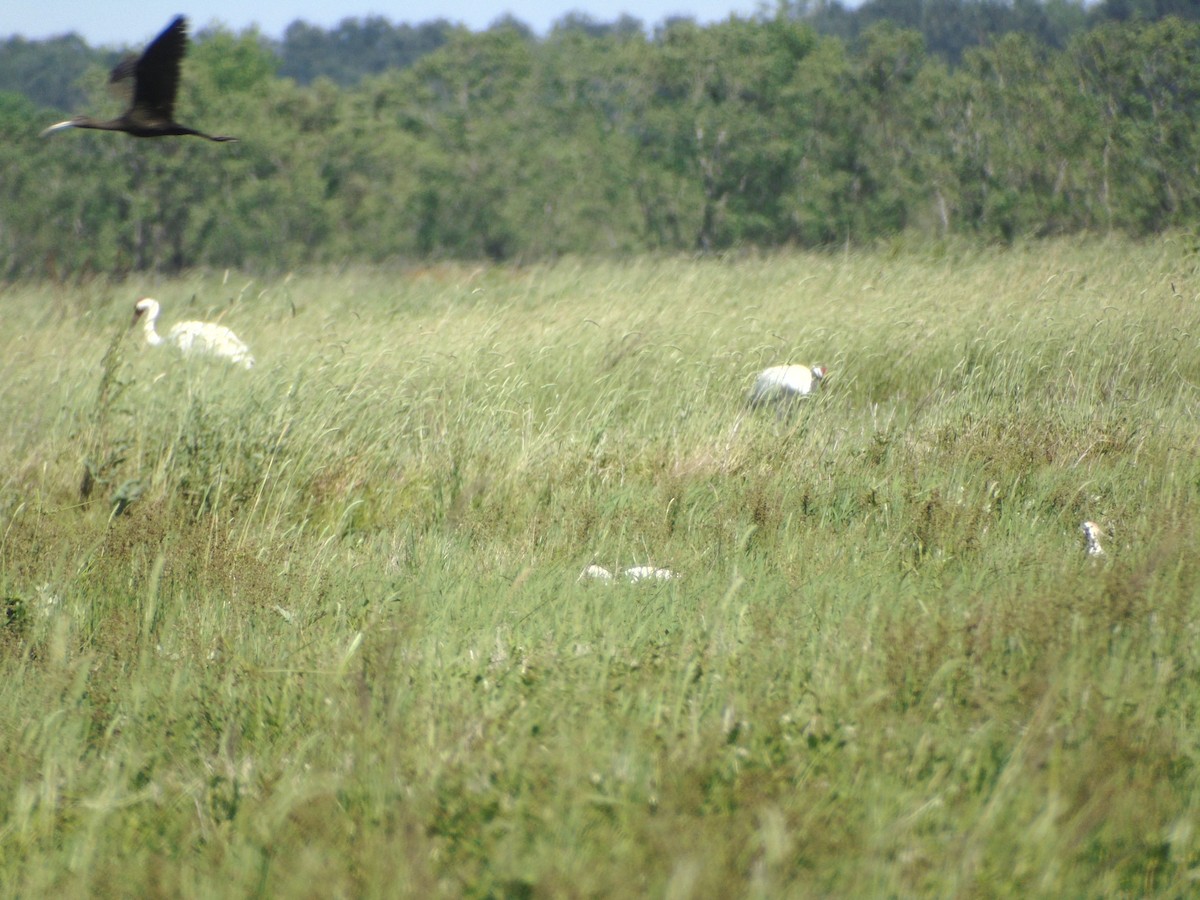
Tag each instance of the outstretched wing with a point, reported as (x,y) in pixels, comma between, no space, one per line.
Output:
(120,79)
(156,72)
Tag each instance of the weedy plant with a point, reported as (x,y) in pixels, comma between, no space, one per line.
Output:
(105,452)
(336,636)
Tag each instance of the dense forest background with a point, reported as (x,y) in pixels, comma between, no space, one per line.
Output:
(807,126)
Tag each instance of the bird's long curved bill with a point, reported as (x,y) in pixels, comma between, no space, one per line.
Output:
(57,127)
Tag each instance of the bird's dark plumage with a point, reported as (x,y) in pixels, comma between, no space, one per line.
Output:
(151,81)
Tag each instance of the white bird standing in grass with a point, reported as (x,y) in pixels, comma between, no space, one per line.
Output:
(206,338)
(779,384)
(1091,536)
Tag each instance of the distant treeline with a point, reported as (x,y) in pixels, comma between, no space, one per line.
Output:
(811,126)
(49,72)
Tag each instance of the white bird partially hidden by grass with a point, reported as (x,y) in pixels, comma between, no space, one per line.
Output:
(633,574)
(648,573)
(1091,536)
(204,338)
(779,384)
(595,573)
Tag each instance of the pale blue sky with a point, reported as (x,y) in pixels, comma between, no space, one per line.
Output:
(134,22)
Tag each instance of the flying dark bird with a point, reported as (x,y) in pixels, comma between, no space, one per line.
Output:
(154,78)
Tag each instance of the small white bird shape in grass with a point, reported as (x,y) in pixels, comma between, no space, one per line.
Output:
(782,383)
(1091,536)
(648,573)
(204,338)
(632,574)
(595,573)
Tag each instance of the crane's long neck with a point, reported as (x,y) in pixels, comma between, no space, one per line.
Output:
(153,338)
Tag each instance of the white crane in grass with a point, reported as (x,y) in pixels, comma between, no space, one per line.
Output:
(648,573)
(632,574)
(780,384)
(1091,538)
(205,338)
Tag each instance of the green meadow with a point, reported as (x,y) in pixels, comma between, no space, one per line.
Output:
(316,629)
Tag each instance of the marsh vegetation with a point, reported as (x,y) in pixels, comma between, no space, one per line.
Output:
(316,627)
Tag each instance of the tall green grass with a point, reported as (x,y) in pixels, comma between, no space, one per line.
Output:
(316,628)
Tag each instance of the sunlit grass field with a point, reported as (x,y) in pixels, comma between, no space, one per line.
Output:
(315,629)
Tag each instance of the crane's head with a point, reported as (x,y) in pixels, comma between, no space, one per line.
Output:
(818,373)
(145,306)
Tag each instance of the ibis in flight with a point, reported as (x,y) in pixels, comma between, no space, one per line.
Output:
(152,80)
